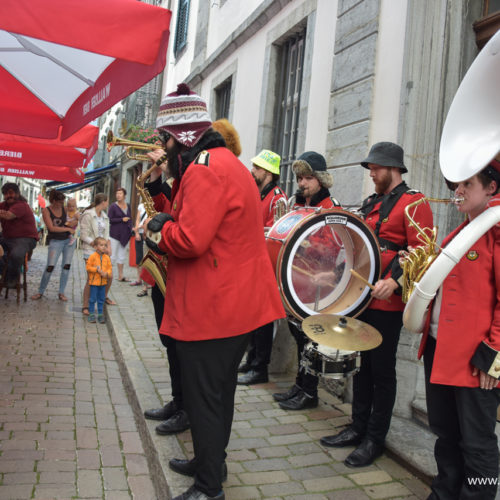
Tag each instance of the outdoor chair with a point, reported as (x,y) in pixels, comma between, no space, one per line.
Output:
(21,280)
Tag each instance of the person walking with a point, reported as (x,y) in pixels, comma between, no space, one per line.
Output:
(59,237)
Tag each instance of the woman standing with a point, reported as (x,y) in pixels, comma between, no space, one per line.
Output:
(94,223)
(59,238)
(120,230)
(460,343)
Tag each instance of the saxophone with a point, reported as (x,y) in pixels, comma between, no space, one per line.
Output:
(155,264)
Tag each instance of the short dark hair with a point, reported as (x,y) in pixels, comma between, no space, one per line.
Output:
(56,195)
(486,180)
(10,186)
(122,189)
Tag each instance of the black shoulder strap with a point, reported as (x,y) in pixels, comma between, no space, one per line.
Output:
(388,203)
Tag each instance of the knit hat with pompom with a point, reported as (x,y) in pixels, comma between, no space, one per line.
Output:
(184,115)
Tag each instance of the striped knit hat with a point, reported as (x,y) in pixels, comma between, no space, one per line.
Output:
(184,115)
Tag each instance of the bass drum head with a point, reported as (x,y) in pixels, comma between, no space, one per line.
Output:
(314,265)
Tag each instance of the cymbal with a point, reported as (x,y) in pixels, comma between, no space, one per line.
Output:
(341,332)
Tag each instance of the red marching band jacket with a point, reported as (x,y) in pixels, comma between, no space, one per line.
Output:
(396,228)
(469,320)
(269,200)
(220,279)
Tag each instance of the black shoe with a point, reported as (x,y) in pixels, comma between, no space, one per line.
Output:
(364,454)
(195,494)
(253,377)
(346,437)
(299,402)
(283,396)
(244,368)
(164,413)
(175,424)
(188,467)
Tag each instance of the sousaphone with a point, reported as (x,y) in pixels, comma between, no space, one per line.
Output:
(469,141)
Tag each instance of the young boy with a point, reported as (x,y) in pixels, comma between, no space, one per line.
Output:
(99,269)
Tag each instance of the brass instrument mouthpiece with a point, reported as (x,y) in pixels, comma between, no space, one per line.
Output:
(458,200)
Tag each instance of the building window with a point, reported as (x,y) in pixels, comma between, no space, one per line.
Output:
(182,26)
(291,61)
(489,24)
(223,99)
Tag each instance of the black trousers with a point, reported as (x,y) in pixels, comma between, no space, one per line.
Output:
(466,449)
(169,343)
(307,382)
(261,345)
(209,374)
(374,386)
(17,249)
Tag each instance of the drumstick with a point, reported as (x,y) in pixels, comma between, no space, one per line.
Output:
(365,281)
(303,271)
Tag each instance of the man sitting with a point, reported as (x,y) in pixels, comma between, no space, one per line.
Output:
(19,231)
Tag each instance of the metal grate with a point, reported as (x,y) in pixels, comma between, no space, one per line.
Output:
(181,30)
(288,106)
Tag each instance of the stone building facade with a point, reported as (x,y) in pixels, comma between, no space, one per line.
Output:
(333,76)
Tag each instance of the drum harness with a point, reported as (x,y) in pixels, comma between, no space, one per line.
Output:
(388,202)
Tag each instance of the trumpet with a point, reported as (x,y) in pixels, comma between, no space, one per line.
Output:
(418,259)
(112,141)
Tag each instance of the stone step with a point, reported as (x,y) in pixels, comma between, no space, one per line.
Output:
(412,445)
(419,412)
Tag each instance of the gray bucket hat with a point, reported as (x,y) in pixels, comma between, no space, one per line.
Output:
(386,154)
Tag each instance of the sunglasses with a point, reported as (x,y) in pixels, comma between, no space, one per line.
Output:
(164,136)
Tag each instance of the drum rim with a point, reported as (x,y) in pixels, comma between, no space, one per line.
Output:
(285,250)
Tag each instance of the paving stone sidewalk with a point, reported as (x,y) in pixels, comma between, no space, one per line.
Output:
(69,431)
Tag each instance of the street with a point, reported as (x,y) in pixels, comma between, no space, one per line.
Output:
(73,394)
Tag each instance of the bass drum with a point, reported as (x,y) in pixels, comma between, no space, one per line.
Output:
(313,251)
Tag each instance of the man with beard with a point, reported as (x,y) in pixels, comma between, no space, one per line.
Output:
(374,387)
(216,248)
(19,231)
(314,182)
(266,172)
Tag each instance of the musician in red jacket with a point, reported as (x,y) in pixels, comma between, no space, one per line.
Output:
(216,250)
(314,181)
(266,172)
(374,386)
(461,345)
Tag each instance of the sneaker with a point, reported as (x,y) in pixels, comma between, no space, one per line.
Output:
(101,318)
(91,318)
(142,293)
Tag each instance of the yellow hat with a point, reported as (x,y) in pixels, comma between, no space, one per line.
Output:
(268,161)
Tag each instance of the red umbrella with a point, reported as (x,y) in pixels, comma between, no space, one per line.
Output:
(48,172)
(64,63)
(75,151)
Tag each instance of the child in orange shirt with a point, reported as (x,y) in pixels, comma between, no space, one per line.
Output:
(99,270)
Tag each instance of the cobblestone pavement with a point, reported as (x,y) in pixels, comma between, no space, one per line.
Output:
(71,422)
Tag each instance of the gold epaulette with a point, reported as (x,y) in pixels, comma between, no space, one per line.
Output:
(203,159)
